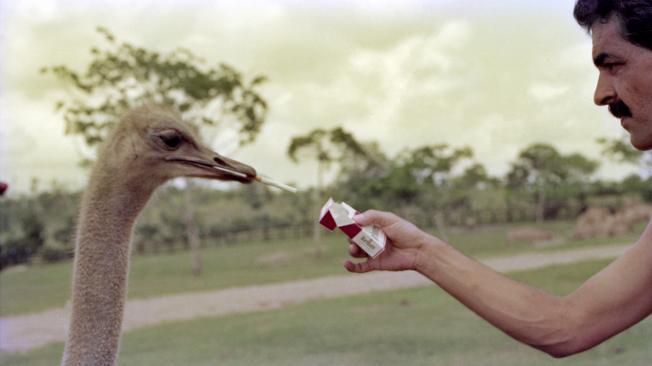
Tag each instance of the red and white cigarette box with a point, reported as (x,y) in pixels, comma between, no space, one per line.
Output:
(340,215)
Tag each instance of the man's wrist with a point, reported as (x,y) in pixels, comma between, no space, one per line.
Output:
(426,253)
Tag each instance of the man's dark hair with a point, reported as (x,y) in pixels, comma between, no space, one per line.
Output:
(635,17)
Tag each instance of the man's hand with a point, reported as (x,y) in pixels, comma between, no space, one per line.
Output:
(403,248)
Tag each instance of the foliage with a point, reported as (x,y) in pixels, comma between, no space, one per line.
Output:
(552,179)
(21,231)
(422,177)
(542,165)
(37,227)
(621,151)
(123,75)
(327,147)
(632,184)
(217,214)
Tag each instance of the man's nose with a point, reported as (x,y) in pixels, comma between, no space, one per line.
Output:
(604,91)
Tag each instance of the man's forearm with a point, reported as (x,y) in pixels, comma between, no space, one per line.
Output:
(609,302)
(528,314)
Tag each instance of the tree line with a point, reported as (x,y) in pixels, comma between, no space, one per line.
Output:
(436,186)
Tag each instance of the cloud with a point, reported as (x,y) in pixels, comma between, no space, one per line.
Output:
(36,146)
(386,81)
(543,92)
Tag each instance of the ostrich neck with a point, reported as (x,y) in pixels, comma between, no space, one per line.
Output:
(109,210)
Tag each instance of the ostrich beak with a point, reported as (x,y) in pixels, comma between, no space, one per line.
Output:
(211,165)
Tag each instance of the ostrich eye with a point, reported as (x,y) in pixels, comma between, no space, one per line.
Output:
(171,139)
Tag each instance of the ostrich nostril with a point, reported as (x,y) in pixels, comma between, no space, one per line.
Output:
(234,165)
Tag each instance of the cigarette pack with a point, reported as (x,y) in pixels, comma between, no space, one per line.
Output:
(340,215)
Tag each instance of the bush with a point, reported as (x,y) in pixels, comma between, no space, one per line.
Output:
(21,233)
(37,225)
(55,251)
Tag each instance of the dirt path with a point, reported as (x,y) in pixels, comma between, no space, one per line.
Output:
(25,332)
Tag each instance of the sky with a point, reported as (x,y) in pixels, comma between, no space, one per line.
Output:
(493,75)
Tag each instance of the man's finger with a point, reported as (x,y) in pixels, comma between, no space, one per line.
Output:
(361,267)
(374,217)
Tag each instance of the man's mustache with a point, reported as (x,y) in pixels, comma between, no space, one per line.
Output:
(619,109)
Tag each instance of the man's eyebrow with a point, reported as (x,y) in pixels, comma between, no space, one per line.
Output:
(600,58)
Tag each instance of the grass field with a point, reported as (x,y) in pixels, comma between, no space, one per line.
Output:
(39,287)
(408,327)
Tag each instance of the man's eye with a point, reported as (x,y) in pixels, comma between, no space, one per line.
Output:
(613,66)
(171,139)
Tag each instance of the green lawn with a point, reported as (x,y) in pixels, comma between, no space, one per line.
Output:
(39,287)
(408,327)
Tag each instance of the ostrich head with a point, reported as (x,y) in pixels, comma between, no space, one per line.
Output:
(151,145)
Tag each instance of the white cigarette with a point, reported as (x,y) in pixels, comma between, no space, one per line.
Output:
(285,187)
(232,172)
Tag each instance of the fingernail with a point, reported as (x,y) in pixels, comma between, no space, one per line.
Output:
(358,217)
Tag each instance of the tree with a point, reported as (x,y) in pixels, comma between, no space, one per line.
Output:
(429,171)
(433,164)
(419,175)
(475,176)
(121,76)
(473,190)
(620,150)
(541,168)
(419,182)
(358,179)
(327,147)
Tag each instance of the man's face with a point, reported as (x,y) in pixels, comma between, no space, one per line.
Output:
(625,82)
